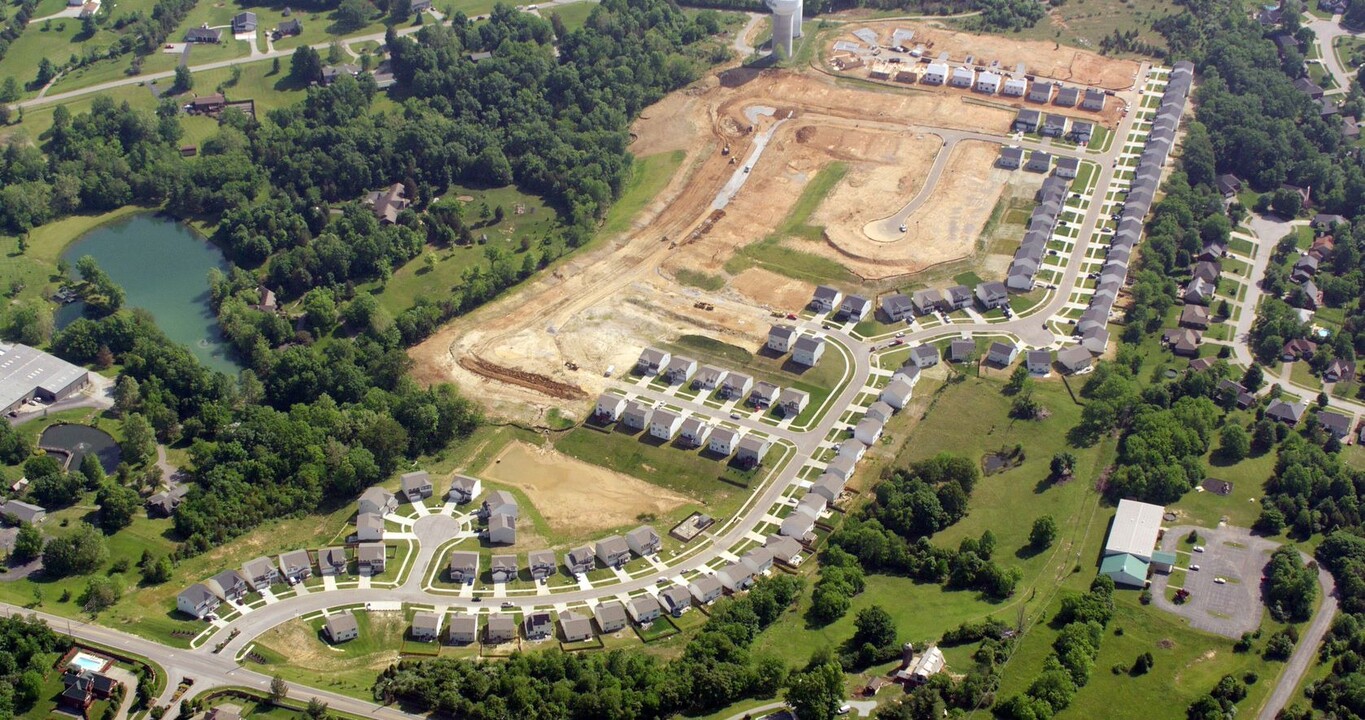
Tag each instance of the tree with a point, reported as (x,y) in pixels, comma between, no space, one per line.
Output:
(399,11)
(1234,442)
(305,66)
(80,553)
(127,395)
(353,15)
(334,53)
(184,80)
(1253,378)
(28,544)
(139,440)
(279,689)
(118,504)
(1018,380)
(157,571)
(321,310)
(101,593)
(30,323)
(1044,532)
(874,626)
(817,692)
(1063,464)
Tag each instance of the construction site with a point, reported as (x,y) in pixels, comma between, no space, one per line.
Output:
(918,187)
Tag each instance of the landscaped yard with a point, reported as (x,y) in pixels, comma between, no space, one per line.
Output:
(298,651)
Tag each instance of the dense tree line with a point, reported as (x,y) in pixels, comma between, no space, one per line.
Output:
(27,647)
(715,669)
(1291,587)
(1080,622)
(15,24)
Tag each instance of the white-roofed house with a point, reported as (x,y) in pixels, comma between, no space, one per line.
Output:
(707,378)
(369,527)
(812,504)
(377,500)
(1014,87)
(962,77)
(935,73)
(341,627)
(852,447)
(797,525)
(987,82)
(1135,530)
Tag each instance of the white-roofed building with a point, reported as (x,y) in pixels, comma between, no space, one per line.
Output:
(27,373)
(1136,528)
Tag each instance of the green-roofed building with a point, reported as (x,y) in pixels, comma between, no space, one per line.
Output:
(1125,570)
(1163,561)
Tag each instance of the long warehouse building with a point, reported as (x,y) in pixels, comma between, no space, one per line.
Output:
(27,373)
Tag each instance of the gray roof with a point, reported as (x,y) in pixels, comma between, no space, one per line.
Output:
(415,480)
(706,584)
(368,521)
(644,604)
(429,622)
(370,552)
(782,547)
(540,557)
(808,343)
(24,369)
(197,594)
(754,444)
(782,332)
(610,613)
(341,623)
(25,512)
(676,595)
(924,352)
(613,545)
(643,535)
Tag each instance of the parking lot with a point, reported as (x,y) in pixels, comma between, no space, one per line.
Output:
(1234,554)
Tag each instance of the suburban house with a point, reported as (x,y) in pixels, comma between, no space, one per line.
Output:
(416,485)
(1198,291)
(1229,391)
(735,385)
(574,627)
(1286,412)
(613,551)
(333,561)
(694,431)
(462,629)
(867,431)
(1298,349)
(676,599)
(538,625)
(1195,317)
(644,541)
(82,687)
(855,307)
(370,558)
(228,585)
(792,401)
(164,504)
(808,350)
(1182,341)
(736,576)
(377,500)
(500,629)
(1040,93)
(780,338)
(707,378)
(295,566)
(1014,87)
(579,560)
(208,104)
(611,616)
(1339,370)
(1074,358)
(991,295)
(825,299)
(499,503)
(1001,354)
(705,589)
(1093,100)
(541,564)
(812,504)
(388,203)
(1067,96)
(644,609)
(1305,268)
(828,486)
(1039,161)
(652,361)
(463,489)
(1011,157)
(723,441)
(1027,120)
(1082,131)
(1054,125)
(1039,362)
(1068,167)
(463,567)
(987,82)
(852,448)
(636,415)
(880,411)
(503,568)
(287,28)
(897,307)
(897,394)
(203,34)
(679,369)
(962,77)
(260,573)
(1335,423)
(924,356)
(368,527)
(797,525)
(928,664)
(502,529)
(1228,185)
(751,451)
(758,560)
(764,394)
(935,73)
(244,22)
(426,626)
(664,425)
(341,627)
(784,550)
(197,601)
(18,511)
(961,350)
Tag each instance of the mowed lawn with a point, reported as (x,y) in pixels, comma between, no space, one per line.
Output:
(298,651)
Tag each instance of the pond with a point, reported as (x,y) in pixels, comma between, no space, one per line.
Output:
(82,440)
(162,266)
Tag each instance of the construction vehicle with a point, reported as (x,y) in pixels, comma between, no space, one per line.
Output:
(725,150)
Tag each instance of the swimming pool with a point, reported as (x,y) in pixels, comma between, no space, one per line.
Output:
(86,661)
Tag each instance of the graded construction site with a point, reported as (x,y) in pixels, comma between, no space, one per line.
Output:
(841,161)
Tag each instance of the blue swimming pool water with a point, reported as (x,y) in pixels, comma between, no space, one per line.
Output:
(86,662)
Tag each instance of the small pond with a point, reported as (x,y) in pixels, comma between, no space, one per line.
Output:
(82,440)
(162,266)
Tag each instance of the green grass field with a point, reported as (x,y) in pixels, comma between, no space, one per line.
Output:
(1084,23)
(574,15)
(298,651)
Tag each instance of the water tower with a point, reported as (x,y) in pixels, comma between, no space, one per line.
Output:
(786,23)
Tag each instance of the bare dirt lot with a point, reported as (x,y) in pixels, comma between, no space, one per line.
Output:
(944,229)
(558,482)
(1045,59)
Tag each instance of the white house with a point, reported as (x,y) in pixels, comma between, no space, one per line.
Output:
(880,411)
(644,541)
(829,486)
(812,504)
(723,441)
(868,431)
(736,576)
(609,407)
(797,526)
(369,527)
(664,425)
(1039,362)
(196,601)
(924,356)
(679,370)
(897,394)
(694,431)
(792,401)
(808,350)
(987,82)
(780,338)
(1015,87)
(705,589)
(963,77)
(842,466)
(852,448)
(464,489)
(935,74)
(855,307)
(652,361)
(735,385)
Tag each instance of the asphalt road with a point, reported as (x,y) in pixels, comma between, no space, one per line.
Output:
(1305,651)
(1327,32)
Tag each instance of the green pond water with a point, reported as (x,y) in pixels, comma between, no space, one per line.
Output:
(162,266)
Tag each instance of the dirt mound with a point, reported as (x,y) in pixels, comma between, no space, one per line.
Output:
(530,380)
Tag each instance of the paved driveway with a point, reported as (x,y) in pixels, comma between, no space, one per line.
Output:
(1234,554)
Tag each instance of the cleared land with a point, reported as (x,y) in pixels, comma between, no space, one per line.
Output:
(575,497)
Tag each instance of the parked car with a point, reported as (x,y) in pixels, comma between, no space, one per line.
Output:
(1219,581)
(1199,548)
(1194,567)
